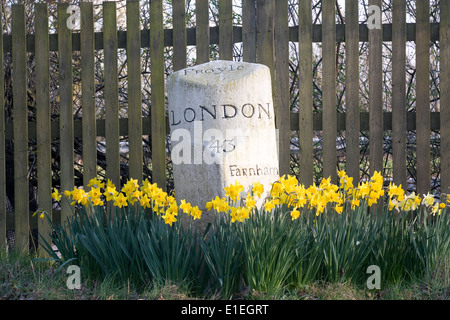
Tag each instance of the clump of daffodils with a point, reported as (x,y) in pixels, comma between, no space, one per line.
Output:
(239,204)
(147,195)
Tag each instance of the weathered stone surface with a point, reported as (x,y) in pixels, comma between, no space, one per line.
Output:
(222,129)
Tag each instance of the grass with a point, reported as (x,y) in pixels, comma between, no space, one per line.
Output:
(25,277)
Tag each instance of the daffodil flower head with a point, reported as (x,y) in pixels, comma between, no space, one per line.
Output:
(56,195)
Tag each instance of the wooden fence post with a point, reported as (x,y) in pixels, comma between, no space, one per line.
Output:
(179,34)
(399,92)
(43,134)
(445,95)
(249,30)
(158,121)
(375,97)
(329,121)
(136,153)
(202,30)
(352,120)
(66,126)
(88,93)
(111,93)
(19,83)
(3,242)
(281,88)
(423,97)
(305,93)
(226,30)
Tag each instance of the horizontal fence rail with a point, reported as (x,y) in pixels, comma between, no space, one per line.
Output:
(265,35)
(435,125)
(191,36)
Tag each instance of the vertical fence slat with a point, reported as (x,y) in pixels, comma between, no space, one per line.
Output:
(423,96)
(111,92)
(226,29)
(399,92)
(43,134)
(305,93)
(445,95)
(202,30)
(375,97)
(19,83)
(264,34)
(2,144)
(179,34)
(249,30)
(158,122)
(265,39)
(66,127)
(329,90)
(134,90)
(352,127)
(89,130)
(282,93)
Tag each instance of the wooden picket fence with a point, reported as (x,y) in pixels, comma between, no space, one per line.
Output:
(265,35)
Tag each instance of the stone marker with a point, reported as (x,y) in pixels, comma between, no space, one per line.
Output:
(222,126)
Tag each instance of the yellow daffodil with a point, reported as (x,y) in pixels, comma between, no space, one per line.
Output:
(234,191)
(56,195)
(269,206)
(186,207)
(120,201)
(250,202)
(96,182)
(295,214)
(95,193)
(110,193)
(144,201)
(169,218)
(339,209)
(428,199)
(258,189)
(196,213)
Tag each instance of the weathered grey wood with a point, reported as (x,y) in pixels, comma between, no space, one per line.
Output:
(202,30)
(445,95)
(249,30)
(352,89)
(111,92)
(179,34)
(329,90)
(238,35)
(20,111)
(136,153)
(265,34)
(435,124)
(226,29)
(88,93)
(305,96)
(158,120)
(399,92)
(375,98)
(66,107)
(281,89)
(2,146)
(44,156)
(423,97)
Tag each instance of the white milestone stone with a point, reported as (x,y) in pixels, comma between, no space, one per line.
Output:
(222,126)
